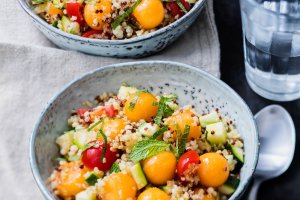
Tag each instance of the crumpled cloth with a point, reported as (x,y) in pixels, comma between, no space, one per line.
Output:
(32,70)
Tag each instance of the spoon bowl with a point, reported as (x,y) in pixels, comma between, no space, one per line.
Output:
(277,144)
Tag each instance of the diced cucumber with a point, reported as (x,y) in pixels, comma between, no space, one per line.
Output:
(92,179)
(210,118)
(125,92)
(41,8)
(237,152)
(148,129)
(88,194)
(230,186)
(68,26)
(65,141)
(216,133)
(54,23)
(138,175)
(82,137)
(164,188)
(233,134)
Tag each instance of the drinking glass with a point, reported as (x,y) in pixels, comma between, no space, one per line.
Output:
(272,47)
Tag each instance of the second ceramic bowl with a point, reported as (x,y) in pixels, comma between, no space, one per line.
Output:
(135,47)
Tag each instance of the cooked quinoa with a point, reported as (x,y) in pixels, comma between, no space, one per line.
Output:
(135,145)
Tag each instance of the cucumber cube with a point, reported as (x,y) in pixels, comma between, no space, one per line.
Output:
(210,118)
(138,175)
(216,133)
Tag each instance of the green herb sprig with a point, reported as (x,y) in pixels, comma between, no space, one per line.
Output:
(115,168)
(147,148)
(126,14)
(163,109)
(36,2)
(135,98)
(105,144)
(181,140)
(181,6)
(92,179)
(159,132)
(95,124)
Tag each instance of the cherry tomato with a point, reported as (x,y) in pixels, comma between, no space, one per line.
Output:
(175,9)
(110,111)
(149,13)
(185,160)
(91,157)
(95,13)
(81,111)
(213,170)
(73,10)
(70,179)
(144,107)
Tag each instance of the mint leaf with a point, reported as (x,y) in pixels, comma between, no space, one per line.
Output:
(115,168)
(163,109)
(92,179)
(159,132)
(181,141)
(147,148)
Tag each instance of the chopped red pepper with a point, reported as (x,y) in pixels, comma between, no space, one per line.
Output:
(73,10)
(110,111)
(91,33)
(81,111)
(175,10)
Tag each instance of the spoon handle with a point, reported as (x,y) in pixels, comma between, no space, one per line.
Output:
(254,189)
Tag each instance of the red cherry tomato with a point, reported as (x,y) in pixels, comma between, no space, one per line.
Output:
(176,10)
(91,33)
(81,111)
(110,111)
(185,160)
(73,9)
(91,157)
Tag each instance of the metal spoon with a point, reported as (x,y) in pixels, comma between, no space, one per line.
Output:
(277,144)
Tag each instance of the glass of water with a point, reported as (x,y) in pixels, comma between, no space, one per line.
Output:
(272,47)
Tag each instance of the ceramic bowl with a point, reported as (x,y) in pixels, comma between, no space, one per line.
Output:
(192,85)
(135,47)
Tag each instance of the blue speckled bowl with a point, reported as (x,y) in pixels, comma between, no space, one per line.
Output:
(136,47)
(192,85)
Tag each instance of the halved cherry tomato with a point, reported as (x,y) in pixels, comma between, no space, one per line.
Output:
(185,160)
(110,111)
(91,33)
(176,10)
(91,157)
(81,111)
(73,9)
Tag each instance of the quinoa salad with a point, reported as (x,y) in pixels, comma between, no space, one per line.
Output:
(111,19)
(136,145)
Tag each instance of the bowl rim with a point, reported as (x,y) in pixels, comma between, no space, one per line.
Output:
(199,5)
(33,164)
